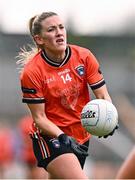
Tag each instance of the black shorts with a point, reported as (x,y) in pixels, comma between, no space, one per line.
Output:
(46,149)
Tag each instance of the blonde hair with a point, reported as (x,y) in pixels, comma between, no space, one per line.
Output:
(24,56)
(35,28)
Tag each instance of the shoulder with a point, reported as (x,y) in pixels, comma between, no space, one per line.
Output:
(79,49)
(82,53)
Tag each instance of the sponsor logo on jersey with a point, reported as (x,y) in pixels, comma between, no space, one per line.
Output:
(80,70)
(63,72)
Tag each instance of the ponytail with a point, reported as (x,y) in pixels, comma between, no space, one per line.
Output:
(25,56)
(31,24)
(35,28)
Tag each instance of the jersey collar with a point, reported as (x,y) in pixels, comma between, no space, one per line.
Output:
(56,64)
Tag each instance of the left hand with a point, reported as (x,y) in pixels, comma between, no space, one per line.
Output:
(73,144)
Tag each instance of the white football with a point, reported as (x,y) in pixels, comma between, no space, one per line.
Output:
(99,117)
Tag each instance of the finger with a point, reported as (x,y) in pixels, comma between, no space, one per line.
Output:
(117,126)
(106,136)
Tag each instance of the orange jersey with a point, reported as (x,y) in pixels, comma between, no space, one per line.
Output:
(62,87)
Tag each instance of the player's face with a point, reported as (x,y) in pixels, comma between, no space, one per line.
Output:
(53,34)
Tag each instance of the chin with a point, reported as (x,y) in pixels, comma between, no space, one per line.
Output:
(61,48)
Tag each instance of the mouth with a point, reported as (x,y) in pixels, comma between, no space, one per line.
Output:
(60,41)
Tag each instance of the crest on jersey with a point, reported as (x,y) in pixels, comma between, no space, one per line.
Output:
(80,70)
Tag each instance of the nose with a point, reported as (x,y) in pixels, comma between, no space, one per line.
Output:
(58,32)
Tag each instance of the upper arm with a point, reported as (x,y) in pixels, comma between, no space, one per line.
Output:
(95,78)
(94,75)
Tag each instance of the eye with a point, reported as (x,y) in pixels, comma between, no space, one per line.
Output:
(61,27)
(51,29)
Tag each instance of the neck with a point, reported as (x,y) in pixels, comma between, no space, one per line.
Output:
(56,57)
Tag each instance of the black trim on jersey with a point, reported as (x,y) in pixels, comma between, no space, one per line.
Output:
(33,100)
(57,64)
(28,90)
(97,85)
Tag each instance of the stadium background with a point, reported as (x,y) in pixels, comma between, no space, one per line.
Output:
(116,54)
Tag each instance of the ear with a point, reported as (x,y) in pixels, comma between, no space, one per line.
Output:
(39,40)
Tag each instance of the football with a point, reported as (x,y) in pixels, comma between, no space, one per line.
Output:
(99,117)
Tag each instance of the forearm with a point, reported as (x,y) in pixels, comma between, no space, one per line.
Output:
(42,122)
(106,97)
(102,93)
(46,126)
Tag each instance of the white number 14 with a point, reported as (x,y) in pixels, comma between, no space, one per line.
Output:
(66,78)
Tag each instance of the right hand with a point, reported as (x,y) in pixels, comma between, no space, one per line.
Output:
(73,144)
